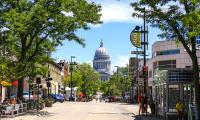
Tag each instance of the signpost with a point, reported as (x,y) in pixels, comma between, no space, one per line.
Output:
(137,52)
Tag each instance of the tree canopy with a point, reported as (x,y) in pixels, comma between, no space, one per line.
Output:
(119,83)
(31,29)
(85,78)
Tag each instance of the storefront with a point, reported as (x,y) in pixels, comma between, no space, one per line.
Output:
(170,86)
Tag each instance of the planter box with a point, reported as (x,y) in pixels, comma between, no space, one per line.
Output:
(48,104)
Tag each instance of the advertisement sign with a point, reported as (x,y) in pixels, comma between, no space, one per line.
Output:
(136,39)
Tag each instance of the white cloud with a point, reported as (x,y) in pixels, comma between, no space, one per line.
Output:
(116,11)
(120,61)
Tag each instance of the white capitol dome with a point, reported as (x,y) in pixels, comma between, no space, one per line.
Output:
(102,63)
(101,52)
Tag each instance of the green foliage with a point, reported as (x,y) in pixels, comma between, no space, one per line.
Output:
(118,84)
(85,78)
(32,29)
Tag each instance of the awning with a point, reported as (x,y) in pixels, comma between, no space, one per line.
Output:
(15,83)
(5,83)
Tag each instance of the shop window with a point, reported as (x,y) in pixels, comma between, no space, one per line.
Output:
(173,97)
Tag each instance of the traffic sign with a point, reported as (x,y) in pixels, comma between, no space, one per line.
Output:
(137,52)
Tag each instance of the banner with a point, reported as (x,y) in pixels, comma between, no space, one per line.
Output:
(136,39)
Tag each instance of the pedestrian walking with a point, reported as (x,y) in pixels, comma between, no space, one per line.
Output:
(180,110)
(145,103)
(96,98)
(140,99)
(152,105)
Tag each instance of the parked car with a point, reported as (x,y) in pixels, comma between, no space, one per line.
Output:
(58,97)
(111,98)
(26,96)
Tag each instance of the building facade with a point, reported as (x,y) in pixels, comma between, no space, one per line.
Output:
(102,63)
(169,76)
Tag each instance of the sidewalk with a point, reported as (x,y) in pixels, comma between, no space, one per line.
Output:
(133,108)
(148,117)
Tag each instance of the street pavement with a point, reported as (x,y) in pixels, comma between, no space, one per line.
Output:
(86,111)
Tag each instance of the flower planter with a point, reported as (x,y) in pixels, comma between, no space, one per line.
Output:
(48,104)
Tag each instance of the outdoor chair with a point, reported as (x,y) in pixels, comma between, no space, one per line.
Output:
(7,112)
(16,110)
(23,108)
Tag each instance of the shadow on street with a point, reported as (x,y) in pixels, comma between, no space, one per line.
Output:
(40,113)
(145,117)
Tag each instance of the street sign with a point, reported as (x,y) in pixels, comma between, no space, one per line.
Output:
(140,81)
(137,52)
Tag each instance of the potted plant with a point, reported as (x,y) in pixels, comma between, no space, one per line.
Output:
(48,102)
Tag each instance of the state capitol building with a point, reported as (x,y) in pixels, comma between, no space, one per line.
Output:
(102,63)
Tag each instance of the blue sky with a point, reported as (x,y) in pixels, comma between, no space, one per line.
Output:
(115,32)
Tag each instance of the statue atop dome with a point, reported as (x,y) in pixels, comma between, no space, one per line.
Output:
(101,43)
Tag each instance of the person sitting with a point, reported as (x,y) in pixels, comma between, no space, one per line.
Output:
(180,109)
(13,101)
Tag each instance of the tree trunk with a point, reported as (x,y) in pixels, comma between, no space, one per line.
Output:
(20,88)
(196,85)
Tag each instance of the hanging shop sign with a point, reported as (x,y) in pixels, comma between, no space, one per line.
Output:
(135,39)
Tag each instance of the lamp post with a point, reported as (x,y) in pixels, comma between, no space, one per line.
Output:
(71,71)
(136,41)
(117,69)
(38,82)
(48,78)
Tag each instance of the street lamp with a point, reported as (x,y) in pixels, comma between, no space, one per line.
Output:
(136,41)
(117,68)
(71,70)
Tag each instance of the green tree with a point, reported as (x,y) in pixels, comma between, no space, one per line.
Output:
(85,78)
(90,80)
(34,27)
(105,87)
(119,83)
(178,20)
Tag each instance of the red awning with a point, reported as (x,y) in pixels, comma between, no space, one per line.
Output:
(15,83)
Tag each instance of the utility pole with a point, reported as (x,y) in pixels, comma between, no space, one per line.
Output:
(71,70)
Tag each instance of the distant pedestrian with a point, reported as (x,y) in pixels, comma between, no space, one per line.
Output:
(96,98)
(152,105)
(145,103)
(140,99)
(180,109)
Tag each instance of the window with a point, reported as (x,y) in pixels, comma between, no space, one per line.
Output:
(180,76)
(188,66)
(168,52)
(167,64)
(150,73)
(198,40)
